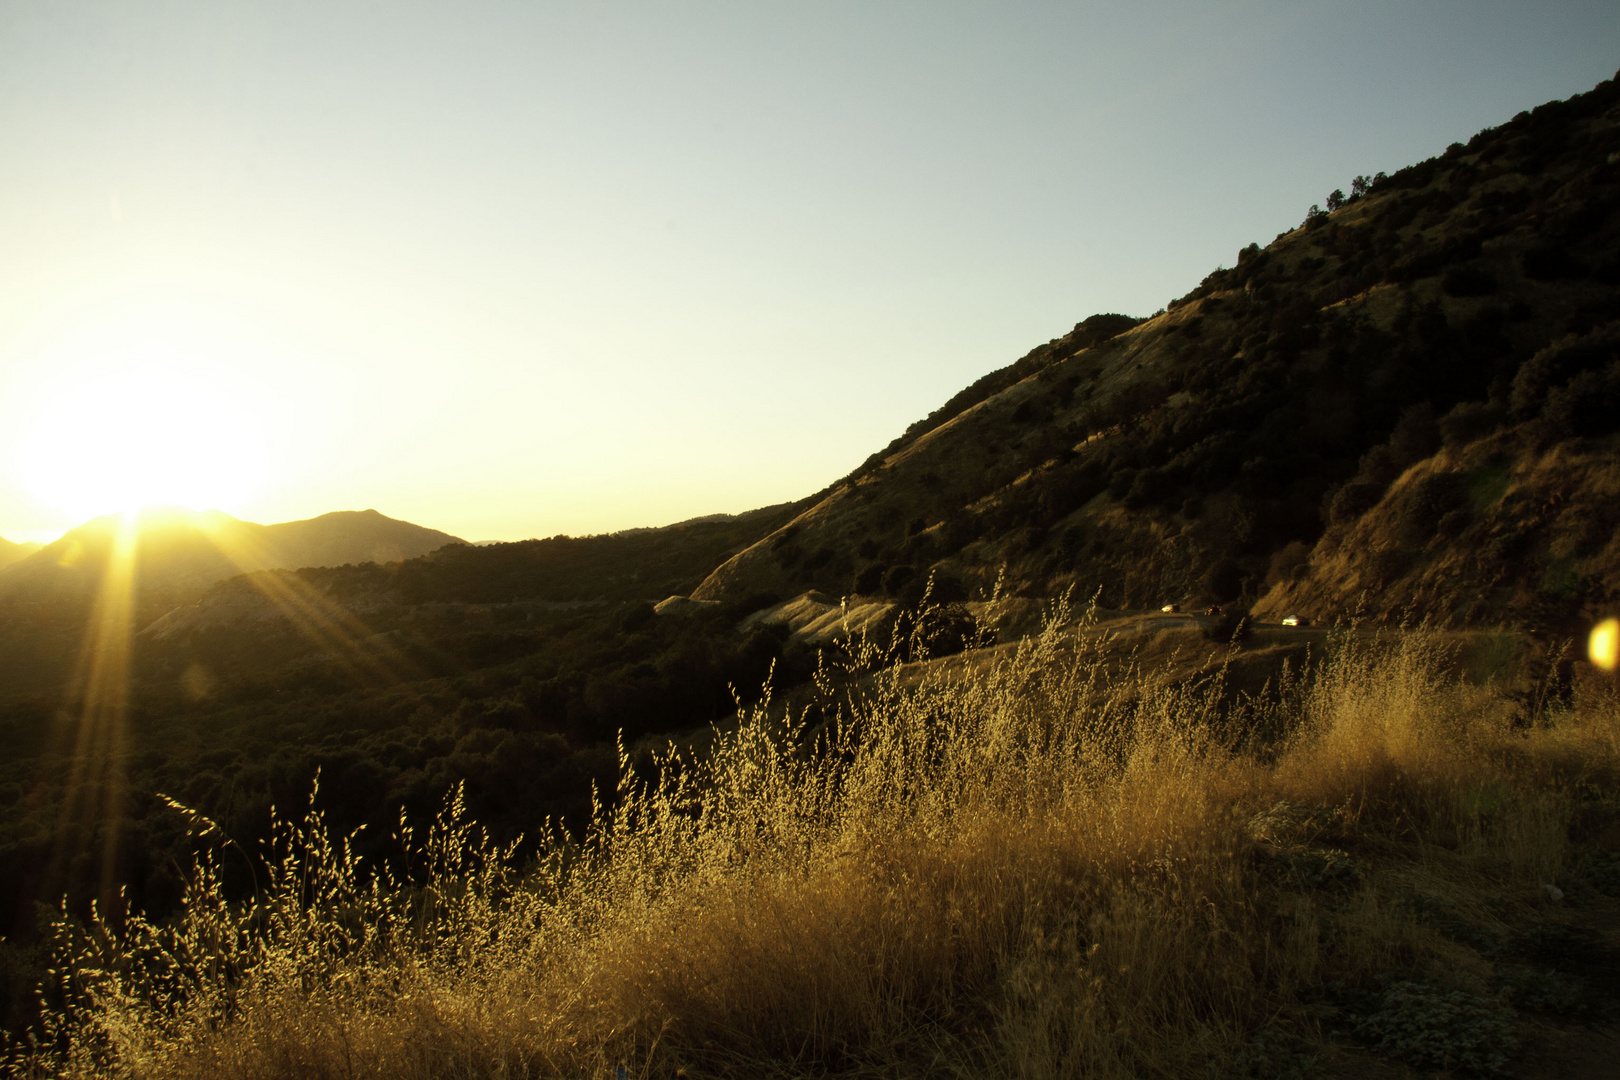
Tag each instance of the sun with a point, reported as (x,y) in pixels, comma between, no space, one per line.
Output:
(141,434)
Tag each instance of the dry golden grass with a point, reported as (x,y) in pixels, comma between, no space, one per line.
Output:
(1057,866)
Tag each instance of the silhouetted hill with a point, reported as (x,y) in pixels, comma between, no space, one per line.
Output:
(509,669)
(351,536)
(1439,342)
(12,552)
(178,552)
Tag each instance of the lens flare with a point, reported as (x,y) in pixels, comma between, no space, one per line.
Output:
(93,809)
(1604,647)
(94,795)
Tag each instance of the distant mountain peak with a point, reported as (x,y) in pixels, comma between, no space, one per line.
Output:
(13,552)
(180,551)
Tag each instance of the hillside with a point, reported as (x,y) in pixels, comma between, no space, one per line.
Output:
(1471,535)
(12,552)
(172,557)
(510,668)
(179,552)
(1282,432)
(1060,866)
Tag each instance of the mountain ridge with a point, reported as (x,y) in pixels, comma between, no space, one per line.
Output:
(1220,450)
(180,551)
(11,551)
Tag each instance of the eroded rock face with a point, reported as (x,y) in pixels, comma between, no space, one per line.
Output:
(682,606)
(814,618)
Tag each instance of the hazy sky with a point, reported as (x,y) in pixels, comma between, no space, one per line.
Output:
(517,269)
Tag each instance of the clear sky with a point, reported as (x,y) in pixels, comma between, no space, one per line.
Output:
(510,270)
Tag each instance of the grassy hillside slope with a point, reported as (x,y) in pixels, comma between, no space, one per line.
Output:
(1064,866)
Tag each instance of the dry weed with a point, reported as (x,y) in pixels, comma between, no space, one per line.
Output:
(1045,863)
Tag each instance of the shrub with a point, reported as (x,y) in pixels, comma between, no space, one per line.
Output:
(870,579)
(1028,412)
(1223,580)
(1454,523)
(1469,420)
(1095,329)
(1432,1028)
(1541,991)
(817,559)
(1468,281)
(1505,546)
(1589,404)
(1353,500)
(1550,263)
(1380,465)
(1571,355)
(946,589)
(1600,869)
(1416,435)
(1274,1054)
(1288,563)
(636,617)
(896,578)
(1426,501)
(1147,486)
(936,629)
(1229,628)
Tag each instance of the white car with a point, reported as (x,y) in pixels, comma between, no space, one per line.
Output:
(1171,609)
(1293,620)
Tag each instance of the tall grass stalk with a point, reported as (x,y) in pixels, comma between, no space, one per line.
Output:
(1033,861)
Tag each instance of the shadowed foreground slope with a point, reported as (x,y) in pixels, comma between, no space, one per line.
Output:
(1060,868)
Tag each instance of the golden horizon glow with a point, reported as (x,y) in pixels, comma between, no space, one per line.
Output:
(1604,646)
(513,271)
(143,434)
